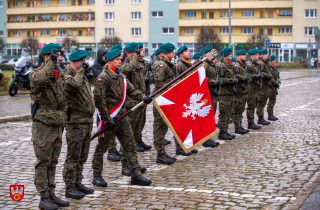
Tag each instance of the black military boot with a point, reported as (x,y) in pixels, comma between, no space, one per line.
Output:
(240,130)
(233,136)
(262,121)
(180,151)
(140,180)
(99,181)
(173,158)
(139,148)
(224,136)
(73,192)
(194,151)
(166,142)
(114,156)
(164,159)
(144,146)
(209,143)
(84,189)
(272,118)
(58,201)
(47,204)
(252,125)
(126,171)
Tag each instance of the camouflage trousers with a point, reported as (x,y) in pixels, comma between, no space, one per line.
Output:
(263,98)
(214,101)
(125,136)
(272,102)
(160,130)
(112,144)
(239,106)
(78,141)
(252,101)
(47,142)
(225,110)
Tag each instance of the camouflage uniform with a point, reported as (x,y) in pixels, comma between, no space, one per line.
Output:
(241,96)
(272,95)
(80,100)
(252,99)
(226,96)
(107,94)
(264,92)
(182,65)
(163,74)
(211,74)
(49,92)
(153,69)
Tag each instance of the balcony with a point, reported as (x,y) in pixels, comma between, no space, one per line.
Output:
(285,21)
(51,24)
(50,10)
(242,4)
(52,39)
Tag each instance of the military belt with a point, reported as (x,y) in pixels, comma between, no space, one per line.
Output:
(49,107)
(84,114)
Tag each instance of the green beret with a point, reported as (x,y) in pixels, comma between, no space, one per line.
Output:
(206,49)
(233,59)
(73,48)
(252,51)
(116,47)
(157,51)
(181,49)
(77,55)
(140,45)
(197,55)
(111,54)
(263,52)
(271,58)
(167,48)
(225,52)
(130,47)
(241,52)
(51,46)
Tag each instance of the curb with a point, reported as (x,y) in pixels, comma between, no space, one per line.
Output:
(15,118)
(294,77)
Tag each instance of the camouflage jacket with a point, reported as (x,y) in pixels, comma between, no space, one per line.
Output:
(79,96)
(211,74)
(108,92)
(241,73)
(274,72)
(182,66)
(46,89)
(265,73)
(254,75)
(153,69)
(136,74)
(227,79)
(163,73)
(144,66)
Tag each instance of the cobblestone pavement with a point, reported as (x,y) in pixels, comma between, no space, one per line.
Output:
(265,169)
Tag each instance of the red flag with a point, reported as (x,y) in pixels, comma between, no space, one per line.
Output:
(35,33)
(187,110)
(58,18)
(57,32)
(277,12)
(18,35)
(89,31)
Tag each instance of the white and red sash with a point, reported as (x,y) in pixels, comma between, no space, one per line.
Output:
(115,110)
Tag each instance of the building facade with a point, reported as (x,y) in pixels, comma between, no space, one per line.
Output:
(3,23)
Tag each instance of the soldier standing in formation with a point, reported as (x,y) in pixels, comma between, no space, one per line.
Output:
(275,85)
(49,97)
(196,57)
(79,126)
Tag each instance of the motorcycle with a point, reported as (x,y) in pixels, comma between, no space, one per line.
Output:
(22,69)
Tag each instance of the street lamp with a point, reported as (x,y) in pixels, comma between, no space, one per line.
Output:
(95,46)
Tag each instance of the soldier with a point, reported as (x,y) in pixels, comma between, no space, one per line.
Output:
(252,98)
(109,96)
(233,60)
(241,96)
(264,91)
(79,126)
(226,101)
(197,57)
(272,93)
(48,113)
(211,74)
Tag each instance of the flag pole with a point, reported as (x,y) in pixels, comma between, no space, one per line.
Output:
(152,95)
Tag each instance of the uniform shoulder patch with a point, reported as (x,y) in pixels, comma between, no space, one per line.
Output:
(99,80)
(161,66)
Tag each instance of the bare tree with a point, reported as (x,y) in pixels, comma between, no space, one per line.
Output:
(31,44)
(67,43)
(257,40)
(2,44)
(208,37)
(108,42)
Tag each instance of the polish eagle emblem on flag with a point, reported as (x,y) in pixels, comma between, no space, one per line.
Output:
(186,108)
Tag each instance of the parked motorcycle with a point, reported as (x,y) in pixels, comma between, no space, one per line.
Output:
(22,69)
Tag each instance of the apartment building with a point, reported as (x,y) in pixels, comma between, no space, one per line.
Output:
(3,22)
(51,21)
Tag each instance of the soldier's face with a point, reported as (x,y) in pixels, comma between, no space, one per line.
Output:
(115,63)
(273,62)
(121,56)
(159,55)
(142,52)
(265,56)
(58,58)
(168,55)
(76,64)
(228,57)
(196,60)
(186,55)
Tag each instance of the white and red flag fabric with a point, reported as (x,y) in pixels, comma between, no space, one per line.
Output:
(89,18)
(277,12)
(187,110)
(57,32)
(18,35)
(58,18)
(34,4)
(89,31)
(35,33)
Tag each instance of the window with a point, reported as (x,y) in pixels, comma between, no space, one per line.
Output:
(17,18)
(247,30)
(224,30)
(135,15)
(190,31)
(247,13)
(168,30)
(45,3)
(190,0)
(1,5)
(45,17)
(189,14)
(62,32)
(309,31)
(62,2)
(136,31)
(224,14)
(285,13)
(158,14)
(109,31)
(90,2)
(136,1)
(64,17)
(109,1)
(203,15)
(109,16)
(211,15)
(45,32)
(17,4)
(15,33)
(1,33)
(270,31)
(155,46)
(285,30)
(310,13)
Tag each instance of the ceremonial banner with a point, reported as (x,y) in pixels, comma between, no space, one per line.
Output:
(187,110)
